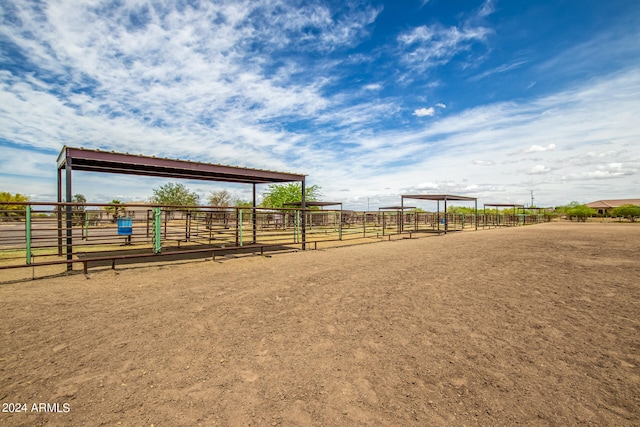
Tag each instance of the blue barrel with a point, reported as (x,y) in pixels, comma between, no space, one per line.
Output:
(125,226)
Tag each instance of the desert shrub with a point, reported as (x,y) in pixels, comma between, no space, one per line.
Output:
(631,212)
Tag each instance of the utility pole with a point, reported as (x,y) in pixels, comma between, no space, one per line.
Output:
(531,199)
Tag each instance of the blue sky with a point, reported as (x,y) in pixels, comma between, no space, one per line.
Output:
(370,99)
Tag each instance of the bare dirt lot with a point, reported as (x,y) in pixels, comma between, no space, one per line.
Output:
(534,325)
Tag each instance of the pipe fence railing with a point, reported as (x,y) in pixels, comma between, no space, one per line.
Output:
(41,233)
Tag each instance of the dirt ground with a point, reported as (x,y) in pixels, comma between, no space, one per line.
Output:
(536,325)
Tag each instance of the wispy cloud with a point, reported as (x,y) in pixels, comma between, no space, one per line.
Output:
(539,169)
(484,162)
(170,74)
(606,171)
(540,148)
(497,70)
(487,8)
(428,46)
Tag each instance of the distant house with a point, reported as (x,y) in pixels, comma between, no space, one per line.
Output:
(604,207)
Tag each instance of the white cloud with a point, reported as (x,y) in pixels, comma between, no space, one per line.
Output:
(540,148)
(441,105)
(539,169)
(373,86)
(484,162)
(606,171)
(428,186)
(421,112)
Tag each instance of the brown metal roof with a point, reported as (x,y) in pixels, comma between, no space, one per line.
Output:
(82,159)
(438,197)
(606,204)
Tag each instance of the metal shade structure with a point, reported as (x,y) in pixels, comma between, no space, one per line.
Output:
(442,197)
(81,159)
(437,197)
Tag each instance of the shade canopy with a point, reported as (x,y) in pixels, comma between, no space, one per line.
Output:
(81,159)
(438,197)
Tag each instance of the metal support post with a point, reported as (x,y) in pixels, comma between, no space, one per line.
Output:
(401,215)
(187,227)
(476,217)
(254,219)
(304,216)
(364,224)
(240,227)
(59,212)
(27,231)
(446,222)
(157,230)
(85,234)
(69,215)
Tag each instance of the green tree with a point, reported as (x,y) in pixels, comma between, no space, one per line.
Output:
(115,210)
(78,211)
(581,212)
(277,195)
(565,208)
(627,211)
(461,210)
(219,198)
(242,203)
(174,194)
(12,210)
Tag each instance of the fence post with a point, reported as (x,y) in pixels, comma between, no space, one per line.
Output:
(157,230)
(86,224)
(27,230)
(240,227)
(364,224)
